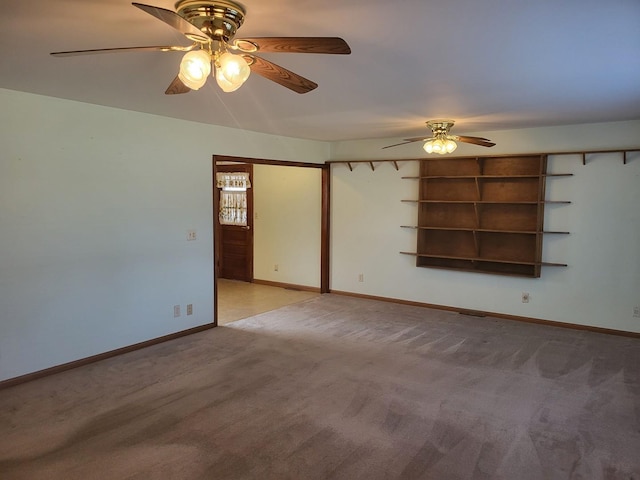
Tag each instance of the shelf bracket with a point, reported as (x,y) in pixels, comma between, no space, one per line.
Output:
(373,168)
(350,166)
(475,209)
(478,190)
(395,164)
(624,155)
(479,161)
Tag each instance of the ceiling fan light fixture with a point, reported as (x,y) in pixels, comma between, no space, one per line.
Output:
(441,146)
(211,25)
(441,141)
(231,71)
(195,67)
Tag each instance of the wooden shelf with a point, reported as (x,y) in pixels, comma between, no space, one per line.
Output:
(460,229)
(496,267)
(489,260)
(488,176)
(480,202)
(483,214)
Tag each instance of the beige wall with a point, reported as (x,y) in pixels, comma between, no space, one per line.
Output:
(287,224)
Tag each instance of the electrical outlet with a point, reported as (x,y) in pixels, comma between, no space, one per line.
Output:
(361,277)
(190,309)
(275,267)
(176,311)
(525,297)
(636,311)
(191,235)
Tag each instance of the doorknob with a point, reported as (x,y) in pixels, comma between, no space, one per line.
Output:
(246,227)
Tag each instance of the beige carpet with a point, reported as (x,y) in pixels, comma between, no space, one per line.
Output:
(339,388)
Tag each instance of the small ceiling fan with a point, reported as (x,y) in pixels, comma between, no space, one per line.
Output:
(442,141)
(211,25)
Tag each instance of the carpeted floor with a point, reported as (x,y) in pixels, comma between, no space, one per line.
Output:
(339,388)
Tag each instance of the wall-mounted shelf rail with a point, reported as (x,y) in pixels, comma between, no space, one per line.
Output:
(583,153)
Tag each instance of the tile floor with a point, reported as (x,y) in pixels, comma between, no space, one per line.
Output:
(237,300)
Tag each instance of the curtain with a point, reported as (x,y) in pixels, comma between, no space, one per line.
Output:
(239,180)
(233,197)
(233,208)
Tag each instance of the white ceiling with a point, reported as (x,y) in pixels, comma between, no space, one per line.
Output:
(488,64)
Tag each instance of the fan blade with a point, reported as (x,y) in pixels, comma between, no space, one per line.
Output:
(408,140)
(331,45)
(485,142)
(177,87)
(281,75)
(123,49)
(174,20)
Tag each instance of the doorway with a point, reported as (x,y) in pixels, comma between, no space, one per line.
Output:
(267,279)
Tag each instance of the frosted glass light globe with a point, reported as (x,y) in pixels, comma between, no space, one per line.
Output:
(231,71)
(195,67)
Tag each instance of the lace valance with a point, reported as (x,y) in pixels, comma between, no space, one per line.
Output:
(233,181)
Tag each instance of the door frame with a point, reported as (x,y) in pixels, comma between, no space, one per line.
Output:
(325,217)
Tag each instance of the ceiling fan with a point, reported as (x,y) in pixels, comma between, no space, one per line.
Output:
(442,141)
(211,25)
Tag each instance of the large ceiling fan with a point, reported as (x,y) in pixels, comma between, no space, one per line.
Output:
(211,25)
(442,141)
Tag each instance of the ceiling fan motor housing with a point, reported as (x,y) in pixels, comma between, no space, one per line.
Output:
(440,127)
(219,19)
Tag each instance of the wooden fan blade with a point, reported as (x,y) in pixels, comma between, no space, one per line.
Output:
(122,49)
(407,140)
(174,20)
(485,142)
(177,87)
(280,75)
(330,45)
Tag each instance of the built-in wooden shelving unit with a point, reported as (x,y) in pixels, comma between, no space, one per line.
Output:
(483,214)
